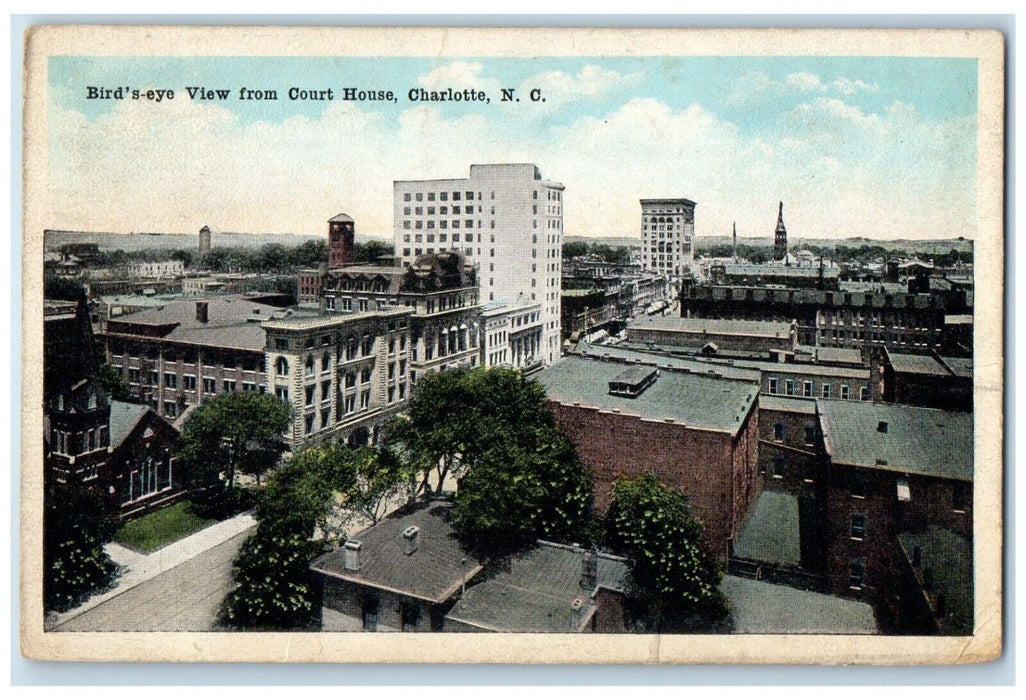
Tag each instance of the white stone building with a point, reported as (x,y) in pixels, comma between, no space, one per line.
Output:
(506,219)
(668,236)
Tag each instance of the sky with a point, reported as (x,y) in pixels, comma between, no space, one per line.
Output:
(875,147)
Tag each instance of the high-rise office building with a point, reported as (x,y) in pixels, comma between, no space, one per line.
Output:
(506,219)
(668,236)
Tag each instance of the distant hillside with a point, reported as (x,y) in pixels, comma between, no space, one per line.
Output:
(129,242)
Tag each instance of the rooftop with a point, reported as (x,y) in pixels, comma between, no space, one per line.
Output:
(959,366)
(788,404)
(771,534)
(618,352)
(697,401)
(533,592)
(758,607)
(762,329)
(123,418)
(434,573)
(233,322)
(917,440)
(916,364)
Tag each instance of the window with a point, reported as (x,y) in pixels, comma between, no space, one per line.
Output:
(209,385)
(282,392)
(229,386)
(773,385)
(790,387)
(856,574)
(960,498)
(810,434)
(281,367)
(826,391)
(169,409)
(189,382)
(858,526)
(806,388)
(310,395)
(410,616)
(779,464)
(779,432)
(249,386)
(370,604)
(364,399)
(864,394)
(170,380)
(325,390)
(309,420)
(281,344)
(845,391)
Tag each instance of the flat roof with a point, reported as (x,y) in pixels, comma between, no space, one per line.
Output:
(697,401)
(762,329)
(758,607)
(619,352)
(534,591)
(926,441)
(788,404)
(435,572)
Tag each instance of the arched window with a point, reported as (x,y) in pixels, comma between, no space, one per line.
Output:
(282,366)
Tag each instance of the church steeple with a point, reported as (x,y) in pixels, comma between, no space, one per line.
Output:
(733,251)
(780,237)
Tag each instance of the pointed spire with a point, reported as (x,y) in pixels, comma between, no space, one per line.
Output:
(780,220)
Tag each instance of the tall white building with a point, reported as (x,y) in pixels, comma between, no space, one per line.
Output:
(505,218)
(668,236)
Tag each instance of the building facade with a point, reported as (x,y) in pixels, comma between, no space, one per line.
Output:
(344,375)
(696,433)
(668,236)
(506,219)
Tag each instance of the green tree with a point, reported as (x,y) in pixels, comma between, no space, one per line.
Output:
(237,432)
(574,250)
(302,509)
(275,589)
(528,485)
(77,522)
(370,251)
(673,580)
(458,414)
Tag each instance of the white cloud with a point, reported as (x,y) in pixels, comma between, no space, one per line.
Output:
(840,170)
(756,86)
(460,75)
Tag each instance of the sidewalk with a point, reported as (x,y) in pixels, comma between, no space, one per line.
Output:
(137,568)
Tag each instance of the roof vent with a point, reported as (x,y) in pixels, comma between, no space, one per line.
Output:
(881,427)
(411,539)
(589,571)
(632,382)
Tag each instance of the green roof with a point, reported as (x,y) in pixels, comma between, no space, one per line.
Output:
(949,559)
(697,401)
(917,440)
(757,607)
(771,534)
(534,591)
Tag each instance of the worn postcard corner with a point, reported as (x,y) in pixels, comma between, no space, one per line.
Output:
(472,345)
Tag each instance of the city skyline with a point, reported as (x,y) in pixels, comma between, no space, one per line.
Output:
(701,128)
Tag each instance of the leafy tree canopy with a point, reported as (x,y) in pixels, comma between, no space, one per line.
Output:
(520,479)
(240,431)
(673,580)
(77,522)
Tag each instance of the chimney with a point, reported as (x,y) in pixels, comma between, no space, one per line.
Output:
(411,539)
(353,548)
(576,613)
(202,311)
(589,571)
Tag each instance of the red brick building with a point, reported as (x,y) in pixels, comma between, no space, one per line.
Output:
(696,433)
(889,473)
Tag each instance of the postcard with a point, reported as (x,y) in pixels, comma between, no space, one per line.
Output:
(550,345)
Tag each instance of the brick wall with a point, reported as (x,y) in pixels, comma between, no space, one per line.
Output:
(716,472)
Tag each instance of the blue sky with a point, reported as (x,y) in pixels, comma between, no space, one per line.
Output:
(881,147)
